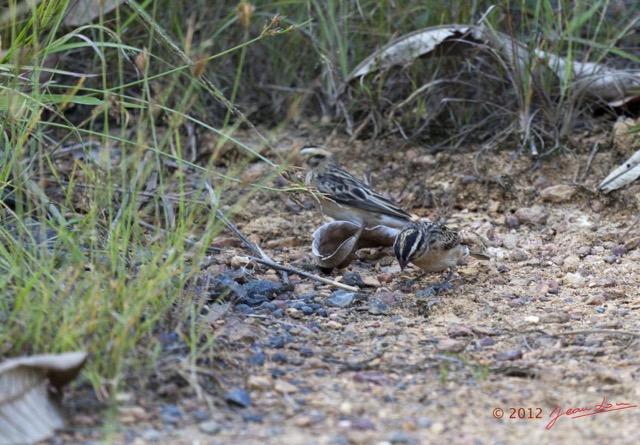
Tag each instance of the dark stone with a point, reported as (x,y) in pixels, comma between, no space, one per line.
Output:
(253,418)
(170,414)
(276,342)
(238,397)
(306,352)
(353,279)
(306,310)
(279,357)
(265,288)
(257,359)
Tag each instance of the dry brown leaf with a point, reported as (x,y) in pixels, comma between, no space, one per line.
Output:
(615,87)
(336,243)
(82,12)
(30,395)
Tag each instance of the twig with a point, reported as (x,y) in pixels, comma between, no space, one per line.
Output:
(302,273)
(231,226)
(633,224)
(589,161)
(591,331)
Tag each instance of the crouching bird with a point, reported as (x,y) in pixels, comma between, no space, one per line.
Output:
(434,248)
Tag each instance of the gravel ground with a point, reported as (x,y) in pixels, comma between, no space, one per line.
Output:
(550,324)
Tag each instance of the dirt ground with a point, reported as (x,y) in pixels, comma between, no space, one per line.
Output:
(551,323)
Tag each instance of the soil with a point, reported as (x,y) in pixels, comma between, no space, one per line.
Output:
(550,323)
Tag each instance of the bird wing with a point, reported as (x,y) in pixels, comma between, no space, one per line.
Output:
(344,189)
(439,237)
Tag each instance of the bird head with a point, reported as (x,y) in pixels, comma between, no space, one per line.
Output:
(407,244)
(315,157)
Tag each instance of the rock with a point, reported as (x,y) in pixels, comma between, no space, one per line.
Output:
(293,312)
(385,278)
(574,280)
(557,317)
(257,359)
(532,319)
(487,341)
(210,427)
(371,281)
(541,183)
(514,354)
(353,279)
(284,387)
(619,250)
(377,307)
(265,288)
(558,193)
(279,357)
(519,256)
(571,263)
(334,324)
(597,299)
(341,298)
(512,222)
(468,271)
(170,414)
(510,241)
(237,397)
(450,345)
(584,251)
(259,383)
(305,352)
(534,216)
(152,435)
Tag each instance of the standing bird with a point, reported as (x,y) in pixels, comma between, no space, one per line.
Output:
(433,248)
(345,198)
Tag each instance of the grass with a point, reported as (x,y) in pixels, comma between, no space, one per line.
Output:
(101,244)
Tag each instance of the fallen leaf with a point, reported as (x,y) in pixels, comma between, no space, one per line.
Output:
(623,175)
(30,392)
(336,243)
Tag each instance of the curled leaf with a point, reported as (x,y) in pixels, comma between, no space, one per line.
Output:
(615,87)
(336,243)
(623,175)
(30,395)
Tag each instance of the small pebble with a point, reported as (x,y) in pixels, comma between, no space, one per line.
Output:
(341,298)
(237,397)
(210,427)
(600,310)
(279,357)
(306,310)
(278,313)
(377,307)
(322,312)
(276,342)
(619,250)
(305,352)
(253,418)
(514,354)
(353,279)
(257,359)
(512,222)
(170,414)
(535,215)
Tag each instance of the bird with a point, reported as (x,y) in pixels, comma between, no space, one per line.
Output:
(344,197)
(433,247)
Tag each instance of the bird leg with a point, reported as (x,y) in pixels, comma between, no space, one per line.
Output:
(437,288)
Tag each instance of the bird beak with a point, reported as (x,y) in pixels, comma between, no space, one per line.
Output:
(403,264)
